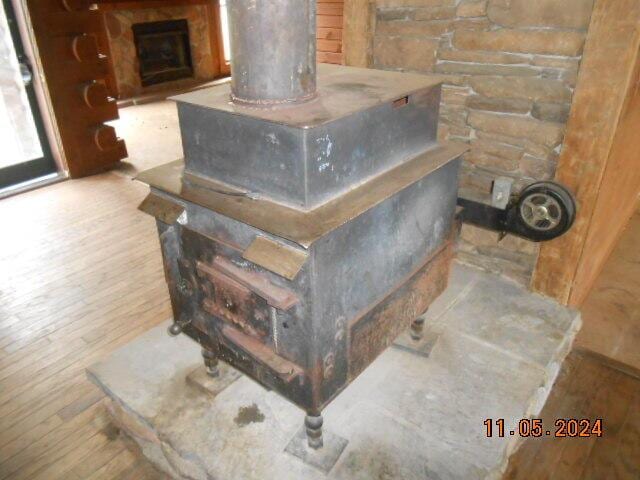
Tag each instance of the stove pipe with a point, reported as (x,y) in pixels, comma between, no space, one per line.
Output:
(273,51)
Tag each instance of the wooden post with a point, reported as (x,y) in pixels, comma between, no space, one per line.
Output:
(357,38)
(600,160)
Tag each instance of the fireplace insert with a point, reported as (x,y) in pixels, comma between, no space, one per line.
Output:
(164,51)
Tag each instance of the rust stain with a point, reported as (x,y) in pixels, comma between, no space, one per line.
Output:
(377,329)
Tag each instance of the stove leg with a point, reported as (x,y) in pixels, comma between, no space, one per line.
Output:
(210,362)
(417,328)
(313,425)
(309,444)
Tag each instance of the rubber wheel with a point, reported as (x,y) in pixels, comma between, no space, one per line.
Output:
(545,210)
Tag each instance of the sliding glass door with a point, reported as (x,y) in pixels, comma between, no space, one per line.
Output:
(24,151)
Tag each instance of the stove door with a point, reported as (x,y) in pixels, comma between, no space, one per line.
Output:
(232,302)
(216,297)
(234,305)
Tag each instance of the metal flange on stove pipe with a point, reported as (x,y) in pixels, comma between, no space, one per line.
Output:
(541,211)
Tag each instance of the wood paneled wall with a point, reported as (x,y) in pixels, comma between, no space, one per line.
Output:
(329,21)
(330,27)
(600,159)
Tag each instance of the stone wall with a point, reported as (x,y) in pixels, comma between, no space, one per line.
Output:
(123,50)
(509,69)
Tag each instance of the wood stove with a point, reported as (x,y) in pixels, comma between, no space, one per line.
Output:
(312,218)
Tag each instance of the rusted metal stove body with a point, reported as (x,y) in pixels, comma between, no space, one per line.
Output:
(299,242)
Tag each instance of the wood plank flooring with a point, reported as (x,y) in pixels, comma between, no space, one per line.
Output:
(80,275)
(611,312)
(600,379)
(588,388)
(152,134)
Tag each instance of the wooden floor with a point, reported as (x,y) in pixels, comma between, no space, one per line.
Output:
(140,123)
(611,313)
(80,275)
(591,387)
(600,379)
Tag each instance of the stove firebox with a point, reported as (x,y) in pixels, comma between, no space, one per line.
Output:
(312,218)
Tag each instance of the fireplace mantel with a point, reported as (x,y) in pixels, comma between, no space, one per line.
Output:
(107,5)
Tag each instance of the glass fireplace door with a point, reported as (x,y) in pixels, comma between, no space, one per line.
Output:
(24,152)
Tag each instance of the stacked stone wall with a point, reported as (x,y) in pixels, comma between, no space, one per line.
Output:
(509,69)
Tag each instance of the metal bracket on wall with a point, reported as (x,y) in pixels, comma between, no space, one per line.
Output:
(540,212)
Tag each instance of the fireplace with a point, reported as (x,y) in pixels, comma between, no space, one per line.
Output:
(164,51)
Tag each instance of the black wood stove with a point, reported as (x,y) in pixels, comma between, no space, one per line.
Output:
(312,218)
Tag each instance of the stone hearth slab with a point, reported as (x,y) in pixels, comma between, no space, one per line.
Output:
(491,350)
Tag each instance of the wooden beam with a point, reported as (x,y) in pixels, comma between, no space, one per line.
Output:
(220,66)
(617,198)
(74,81)
(357,38)
(604,177)
(106,5)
